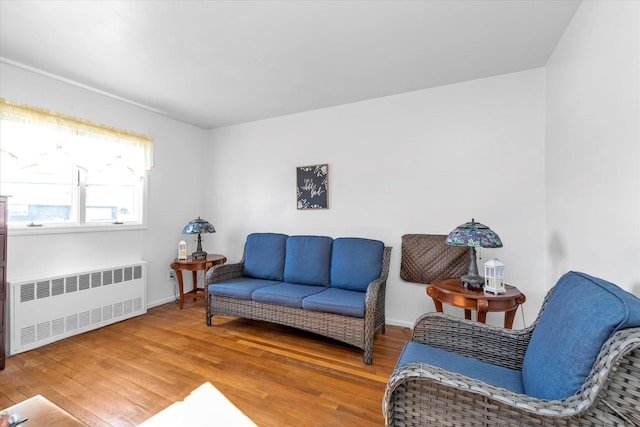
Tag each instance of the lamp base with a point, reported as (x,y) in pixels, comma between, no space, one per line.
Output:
(472,281)
(199,255)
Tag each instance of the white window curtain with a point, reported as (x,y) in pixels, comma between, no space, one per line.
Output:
(46,133)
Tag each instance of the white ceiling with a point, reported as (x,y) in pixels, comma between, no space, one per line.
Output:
(216,63)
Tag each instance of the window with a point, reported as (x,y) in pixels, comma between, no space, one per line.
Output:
(63,171)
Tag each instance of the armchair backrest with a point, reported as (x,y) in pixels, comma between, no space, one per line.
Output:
(580,313)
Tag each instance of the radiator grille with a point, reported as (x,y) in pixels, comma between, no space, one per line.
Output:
(45,310)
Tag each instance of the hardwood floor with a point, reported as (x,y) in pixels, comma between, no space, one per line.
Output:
(122,374)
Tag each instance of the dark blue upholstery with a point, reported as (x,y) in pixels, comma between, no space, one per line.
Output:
(288,294)
(581,313)
(355,263)
(335,300)
(308,260)
(239,287)
(472,368)
(264,256)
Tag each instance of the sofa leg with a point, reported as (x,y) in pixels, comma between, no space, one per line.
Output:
(367,359)
(368,354)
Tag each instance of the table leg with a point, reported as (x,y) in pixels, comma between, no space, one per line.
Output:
(195,284)
(180,286)
(483,306)
(508,318)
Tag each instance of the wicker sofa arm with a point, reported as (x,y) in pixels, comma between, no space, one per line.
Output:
(376,291)
(373,290)
(374,304)
(219,273)
(496,345)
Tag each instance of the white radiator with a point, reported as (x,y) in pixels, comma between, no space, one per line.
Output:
(45,310)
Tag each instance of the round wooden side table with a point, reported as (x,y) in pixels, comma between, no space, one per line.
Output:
(451,291)
(194,265)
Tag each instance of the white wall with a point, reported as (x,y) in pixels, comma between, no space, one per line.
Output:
(420,162)
(174,196)
(593,145)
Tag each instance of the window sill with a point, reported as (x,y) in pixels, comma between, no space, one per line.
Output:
(70,229)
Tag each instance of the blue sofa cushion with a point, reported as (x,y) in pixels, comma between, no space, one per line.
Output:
(308,260)
(239,287)
(264,256)
(335,300)
(287,294)
(498,376)
(355,263)
(581,313)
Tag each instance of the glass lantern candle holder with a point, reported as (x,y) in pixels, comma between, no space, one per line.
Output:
(494,276)
(182,250)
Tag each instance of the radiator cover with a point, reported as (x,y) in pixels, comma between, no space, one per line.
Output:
(45,310)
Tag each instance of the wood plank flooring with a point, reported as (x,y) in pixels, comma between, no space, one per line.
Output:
(122,374)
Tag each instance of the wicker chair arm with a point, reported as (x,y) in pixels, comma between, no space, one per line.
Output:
(219,273)
(430,379)
(616,370)
(496,345)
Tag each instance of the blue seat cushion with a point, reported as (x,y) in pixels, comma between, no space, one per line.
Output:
(581,313)
(355,263)
(239,287)
(264,256)
(308,260)
(287,294)
(335,300)
(498,376)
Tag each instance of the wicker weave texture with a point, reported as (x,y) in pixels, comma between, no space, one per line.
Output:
(355,331)
(491,344)
(419,394)
(426,257)
(342,328)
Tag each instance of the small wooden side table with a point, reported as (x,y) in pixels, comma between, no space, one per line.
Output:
(451,291)
(194,265)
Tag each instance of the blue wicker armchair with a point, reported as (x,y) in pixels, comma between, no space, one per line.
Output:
(577,365)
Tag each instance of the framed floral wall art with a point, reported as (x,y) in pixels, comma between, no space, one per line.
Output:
(312,186)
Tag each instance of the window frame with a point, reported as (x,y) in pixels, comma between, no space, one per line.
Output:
(58,228)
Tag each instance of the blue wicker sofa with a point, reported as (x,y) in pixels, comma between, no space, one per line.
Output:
(331,287)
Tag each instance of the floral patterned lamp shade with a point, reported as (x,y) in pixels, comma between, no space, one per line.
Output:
(199,226)
(473,234)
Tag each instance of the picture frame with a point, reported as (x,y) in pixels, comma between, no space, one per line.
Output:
(312,187)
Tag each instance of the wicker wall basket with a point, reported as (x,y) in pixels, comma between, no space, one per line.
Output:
(426,257)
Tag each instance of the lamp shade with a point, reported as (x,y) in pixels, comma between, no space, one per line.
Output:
(198,226)
(474,234)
